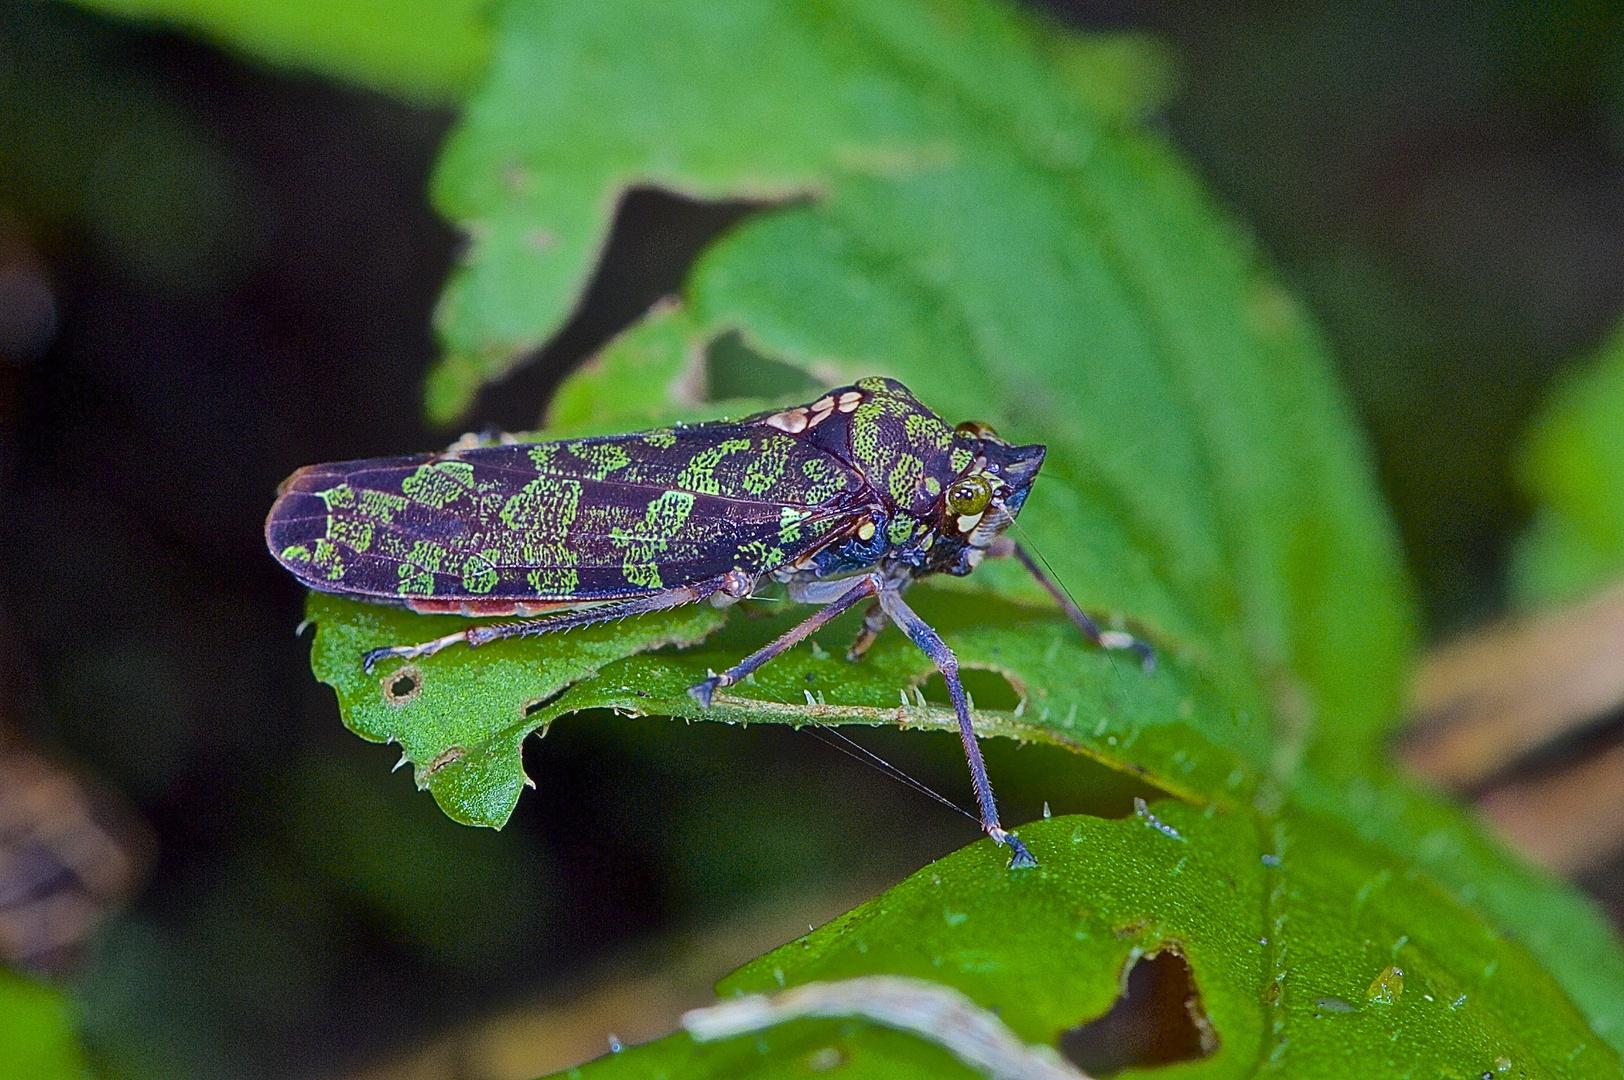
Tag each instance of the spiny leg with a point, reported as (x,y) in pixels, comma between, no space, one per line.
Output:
(1105,639)
(484,633)
(865,586)
(934,647)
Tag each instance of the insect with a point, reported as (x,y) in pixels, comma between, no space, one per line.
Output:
(847,500)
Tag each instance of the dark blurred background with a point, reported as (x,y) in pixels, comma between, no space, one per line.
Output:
(212,272)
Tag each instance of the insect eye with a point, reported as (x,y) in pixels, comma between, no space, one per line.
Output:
(975,429)
(969,496)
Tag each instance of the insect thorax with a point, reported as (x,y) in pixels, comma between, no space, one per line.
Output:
(908,458)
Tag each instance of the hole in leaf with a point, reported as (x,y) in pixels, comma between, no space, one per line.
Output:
(655,239)
(535,705)
(400,687)
(988,689)
(734,370)
(444,758)
(1158,1020)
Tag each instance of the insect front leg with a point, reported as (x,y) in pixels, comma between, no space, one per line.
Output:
(947,663)
(1004,547)
(863,587)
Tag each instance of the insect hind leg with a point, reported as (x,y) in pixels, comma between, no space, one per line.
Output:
(410,652)
(485,633)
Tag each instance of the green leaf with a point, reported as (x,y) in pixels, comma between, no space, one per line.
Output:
(962,215)
(461,716)
(1001,243)
(1572,466)
(87,139)
(1167,729)
(1333,958)
(1565,930)
(37,1039)
(430,50)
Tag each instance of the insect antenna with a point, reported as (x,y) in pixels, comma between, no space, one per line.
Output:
(855,750)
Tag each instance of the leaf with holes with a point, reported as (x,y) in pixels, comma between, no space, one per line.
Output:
(962,212)
(461,714)
(982,229)
(1171,730)
(1572,464)
(1160,939)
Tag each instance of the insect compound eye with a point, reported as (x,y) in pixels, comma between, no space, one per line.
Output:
(969,496)
(975,429)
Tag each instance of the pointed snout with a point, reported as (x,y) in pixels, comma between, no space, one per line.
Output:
(1018,465)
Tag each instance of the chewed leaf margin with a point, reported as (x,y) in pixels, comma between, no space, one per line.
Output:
(461,715)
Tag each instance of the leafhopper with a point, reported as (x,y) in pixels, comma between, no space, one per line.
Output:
(846,501)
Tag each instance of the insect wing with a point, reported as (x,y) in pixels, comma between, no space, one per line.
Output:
(577,521)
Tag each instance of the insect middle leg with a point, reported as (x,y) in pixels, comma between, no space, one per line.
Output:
(891,604)
(865,586)
(921,633)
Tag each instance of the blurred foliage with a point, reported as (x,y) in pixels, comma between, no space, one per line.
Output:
(337,848)
(87,141)
(429,50)
(1441,184)
(1572,466)
(36,1032)
(451,895)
